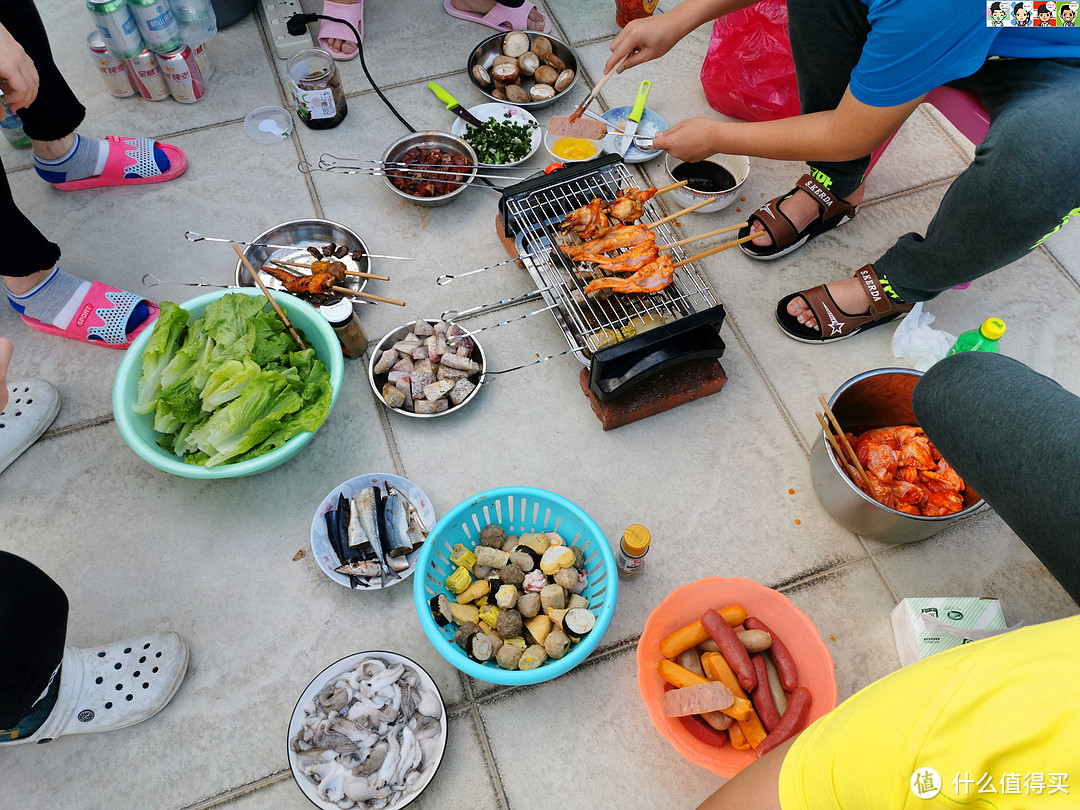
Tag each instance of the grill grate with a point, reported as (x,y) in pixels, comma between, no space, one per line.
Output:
(533,212)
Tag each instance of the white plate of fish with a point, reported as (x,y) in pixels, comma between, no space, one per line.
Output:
(369,731)
(368,531)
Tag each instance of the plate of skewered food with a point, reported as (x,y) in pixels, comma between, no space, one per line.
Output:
(368,531)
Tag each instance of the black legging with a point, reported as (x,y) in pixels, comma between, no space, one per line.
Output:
(1014,436)
(55,112)
(33,624)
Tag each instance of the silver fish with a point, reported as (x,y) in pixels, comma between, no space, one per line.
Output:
(397,524)
(360,568)
(365,505)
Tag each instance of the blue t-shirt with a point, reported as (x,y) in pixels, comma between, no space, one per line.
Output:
(917,45)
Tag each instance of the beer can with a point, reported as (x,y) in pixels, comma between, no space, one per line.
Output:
(156,24)
(181,71)
(113,71)
(147,77)
(118,28)
(202,59)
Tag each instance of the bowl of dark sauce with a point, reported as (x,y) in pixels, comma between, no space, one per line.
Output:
(718,177)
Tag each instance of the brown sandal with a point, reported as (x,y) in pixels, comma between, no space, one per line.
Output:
(829,316)
(785,236)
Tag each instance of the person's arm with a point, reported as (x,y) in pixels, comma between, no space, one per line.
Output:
(649,38)
(850,131)
(756,786)
(18,76)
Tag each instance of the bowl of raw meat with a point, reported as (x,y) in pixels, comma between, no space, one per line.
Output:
(429,168)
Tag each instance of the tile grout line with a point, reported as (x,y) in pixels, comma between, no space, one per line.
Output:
(489,757)
(240,792)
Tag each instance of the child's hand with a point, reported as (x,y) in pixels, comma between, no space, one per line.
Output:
(18,76)
(690,140)
(644,39)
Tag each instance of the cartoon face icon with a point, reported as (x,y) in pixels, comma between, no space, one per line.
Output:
(1067,14)
(1044,14)
(997,13)
(1021,15)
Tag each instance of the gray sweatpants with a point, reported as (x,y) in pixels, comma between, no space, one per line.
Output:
(1023,184)
(1014,437)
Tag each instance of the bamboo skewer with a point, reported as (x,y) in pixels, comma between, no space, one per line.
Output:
(672,187)
(347,272)
(346,291)
(701,236)
(711,251)
(835,444)
(280,312)
(844,441)
(677,214)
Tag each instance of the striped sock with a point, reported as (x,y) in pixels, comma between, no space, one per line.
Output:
(86,158)
(56,299)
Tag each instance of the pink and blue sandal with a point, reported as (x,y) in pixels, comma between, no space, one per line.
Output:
(133,162)
(102,317)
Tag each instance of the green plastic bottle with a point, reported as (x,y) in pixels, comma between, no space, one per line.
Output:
(983,339)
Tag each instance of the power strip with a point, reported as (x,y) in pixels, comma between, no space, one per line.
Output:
(277,17)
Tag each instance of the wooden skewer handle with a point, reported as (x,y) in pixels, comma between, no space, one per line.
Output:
(280,312)
(307,267)
(347,291)
(711,251)
(576,114)
(844,441)
(677,214)
(672,187)
(699,237)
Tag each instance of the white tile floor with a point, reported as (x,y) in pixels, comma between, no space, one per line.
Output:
(137,550)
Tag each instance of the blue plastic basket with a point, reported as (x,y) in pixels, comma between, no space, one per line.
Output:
(516,510)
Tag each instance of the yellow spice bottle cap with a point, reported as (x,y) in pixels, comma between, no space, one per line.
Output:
(635,540)
(992,328)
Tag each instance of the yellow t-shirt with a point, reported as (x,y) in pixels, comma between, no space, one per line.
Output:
(997,720)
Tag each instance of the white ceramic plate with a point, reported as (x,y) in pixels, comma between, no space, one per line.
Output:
(498,111)
(331,674)
(650,124)
(320,542)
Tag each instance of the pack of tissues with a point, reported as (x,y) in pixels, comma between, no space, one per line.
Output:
(927,625)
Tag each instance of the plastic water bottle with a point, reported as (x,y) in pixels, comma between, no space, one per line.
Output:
(983,339)
(13,128)
(197,20)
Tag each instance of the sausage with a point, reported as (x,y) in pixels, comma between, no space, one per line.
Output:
(779,697)
(700,729)
(732,649)
(763,700)
(686,637)
(785,664)
(754,640)
(717,720)
(696,699)
(798,706)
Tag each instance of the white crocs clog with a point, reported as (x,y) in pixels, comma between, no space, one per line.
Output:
(113,686)
(32,406)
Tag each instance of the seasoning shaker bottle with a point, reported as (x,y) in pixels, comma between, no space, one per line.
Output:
(630,555)
(346,325)
(316,85)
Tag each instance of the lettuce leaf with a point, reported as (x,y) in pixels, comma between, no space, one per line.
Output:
(160,349)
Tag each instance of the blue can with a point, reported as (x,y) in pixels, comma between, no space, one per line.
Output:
(156,24)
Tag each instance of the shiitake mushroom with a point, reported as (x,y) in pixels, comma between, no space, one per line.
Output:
(541,45)
(566,78)
(483,78)
(528,62)
(515,43)
(554,61)
(546,74)
(506,73)
(515,93)
(541,92)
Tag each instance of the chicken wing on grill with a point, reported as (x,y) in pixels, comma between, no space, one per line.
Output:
(589,221)
(629,261)
(651,278)
(623,236)
(629,206)
(315,284)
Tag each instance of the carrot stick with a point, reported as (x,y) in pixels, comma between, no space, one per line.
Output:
(676,675)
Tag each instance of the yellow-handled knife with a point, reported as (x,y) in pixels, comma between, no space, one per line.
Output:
(453,106)
(634,118)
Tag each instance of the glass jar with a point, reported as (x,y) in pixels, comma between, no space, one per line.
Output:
(346,325)
(627,10)
(316,86)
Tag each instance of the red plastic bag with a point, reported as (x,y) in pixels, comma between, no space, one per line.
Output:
(748,72)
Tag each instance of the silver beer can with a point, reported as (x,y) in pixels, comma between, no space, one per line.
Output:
(185,80)
(113,71)
(156,24)
(147,77)
(118,28)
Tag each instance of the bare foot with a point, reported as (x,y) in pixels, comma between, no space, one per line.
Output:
(801,209)
(345,46)
(536,19)
(6,349)
(849,294)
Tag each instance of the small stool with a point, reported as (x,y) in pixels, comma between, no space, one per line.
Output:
(962,109)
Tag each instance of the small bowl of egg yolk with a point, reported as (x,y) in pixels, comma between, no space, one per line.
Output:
(569,149)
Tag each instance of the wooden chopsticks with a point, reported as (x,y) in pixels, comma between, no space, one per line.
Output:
(836,443)
(280,312)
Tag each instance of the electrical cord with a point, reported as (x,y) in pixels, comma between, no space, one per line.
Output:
(296,25)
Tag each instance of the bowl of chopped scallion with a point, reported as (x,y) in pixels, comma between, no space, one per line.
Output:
(510,135)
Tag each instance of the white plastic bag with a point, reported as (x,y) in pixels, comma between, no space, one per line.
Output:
(917,343)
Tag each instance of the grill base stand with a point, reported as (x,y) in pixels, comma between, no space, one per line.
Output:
(665,390)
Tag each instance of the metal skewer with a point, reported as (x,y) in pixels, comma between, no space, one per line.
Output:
(448,277)
(191,236)
(150,280)
(347,272)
